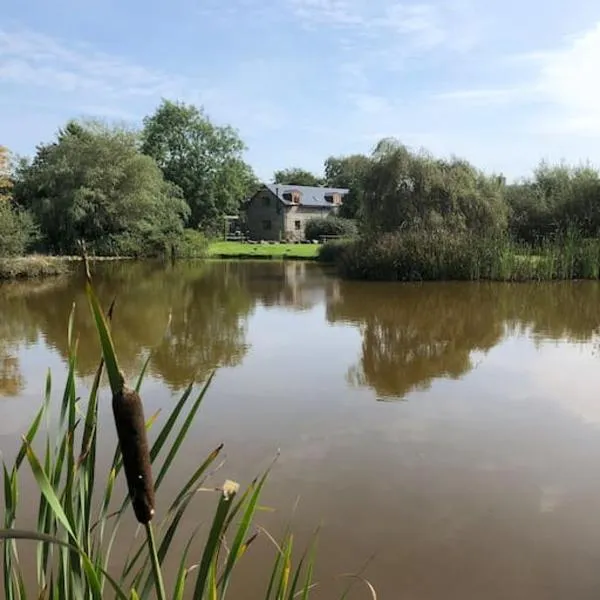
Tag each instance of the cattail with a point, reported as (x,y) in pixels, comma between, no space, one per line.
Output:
(131,430)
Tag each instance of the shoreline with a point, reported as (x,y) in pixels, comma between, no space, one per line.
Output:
(39,266)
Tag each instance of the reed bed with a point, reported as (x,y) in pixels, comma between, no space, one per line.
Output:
(424,255)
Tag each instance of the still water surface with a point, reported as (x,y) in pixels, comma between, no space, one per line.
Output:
(450,430)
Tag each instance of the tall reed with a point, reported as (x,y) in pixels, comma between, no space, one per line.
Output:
(429,255)
(77,526)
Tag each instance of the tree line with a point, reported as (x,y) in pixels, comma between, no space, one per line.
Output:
(151,191)
(124,191)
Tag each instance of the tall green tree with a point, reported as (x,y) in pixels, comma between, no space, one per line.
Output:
(92,183)
(17,229)
(297,176)
(203,159)
(348,172)
(404,190)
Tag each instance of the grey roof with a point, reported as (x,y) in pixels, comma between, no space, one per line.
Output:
(309,196)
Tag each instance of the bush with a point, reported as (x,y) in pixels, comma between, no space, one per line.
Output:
(17,230)
(192,244)
(331,252)
(316,228)
(442,255)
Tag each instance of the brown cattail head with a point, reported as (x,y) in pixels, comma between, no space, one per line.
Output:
(131,430)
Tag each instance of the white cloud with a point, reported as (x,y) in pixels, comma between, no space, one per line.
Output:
(563,84)
(28,58)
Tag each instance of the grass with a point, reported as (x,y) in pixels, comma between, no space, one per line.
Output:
(438,255)
(32,267)
(276,251)
(79,511)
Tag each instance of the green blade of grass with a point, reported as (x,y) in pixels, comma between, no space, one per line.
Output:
(48,491)
(177,509)
(168,426)
(241,534)
(106,342)
(179,588)
(308,584)
(182,433)
(212,546)
(156,570)
(142,374)
(19,534)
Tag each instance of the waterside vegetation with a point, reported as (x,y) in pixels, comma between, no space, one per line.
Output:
(81,511)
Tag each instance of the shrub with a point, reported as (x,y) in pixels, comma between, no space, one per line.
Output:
(422,255)
(17,230)
(192,244)
(315,228)
(331,252)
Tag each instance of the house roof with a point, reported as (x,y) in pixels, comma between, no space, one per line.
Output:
(309,196)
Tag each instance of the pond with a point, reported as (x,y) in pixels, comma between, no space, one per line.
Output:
(447,434)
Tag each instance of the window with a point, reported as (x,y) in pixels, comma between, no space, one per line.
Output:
(266,201)
(267,225)
(297,225)
(287,196)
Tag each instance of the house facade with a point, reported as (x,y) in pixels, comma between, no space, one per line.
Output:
(280,212)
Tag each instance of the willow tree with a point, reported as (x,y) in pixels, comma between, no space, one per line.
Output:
(403,189)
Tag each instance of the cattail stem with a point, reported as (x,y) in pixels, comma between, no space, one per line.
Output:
(158,579)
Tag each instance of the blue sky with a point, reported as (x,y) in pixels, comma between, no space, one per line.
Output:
(501,83)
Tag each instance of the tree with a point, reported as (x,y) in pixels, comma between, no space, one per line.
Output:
(6,183)
(348,172)
(405,190)
(297,176)
(202,159)
(92,183)
(16,226)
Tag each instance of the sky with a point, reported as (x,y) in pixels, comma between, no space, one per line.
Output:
(503,84)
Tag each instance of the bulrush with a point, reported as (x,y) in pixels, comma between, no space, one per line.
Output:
(128,411)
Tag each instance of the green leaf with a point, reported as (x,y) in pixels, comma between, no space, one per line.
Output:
(90,570)
(182,571)
(213,542)
(182,433)
(48,491)
(235,551)
(106,342)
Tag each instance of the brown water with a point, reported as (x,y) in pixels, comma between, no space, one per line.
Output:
(450,430)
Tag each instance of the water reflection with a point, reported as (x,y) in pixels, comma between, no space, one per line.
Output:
(191,316)
(413,334)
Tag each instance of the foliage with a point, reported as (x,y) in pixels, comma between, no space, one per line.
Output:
(31,267)
(17,229)
(404,190)
(556,199)
(297,176)
(329,226)
(202,159)
(348,172)
(78,528)
(6,182)
(330,252)
(192,244)
(427,255)
(93,184)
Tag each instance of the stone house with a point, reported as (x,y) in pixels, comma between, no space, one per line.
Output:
(280,212)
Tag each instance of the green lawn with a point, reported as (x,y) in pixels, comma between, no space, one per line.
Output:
(240,249)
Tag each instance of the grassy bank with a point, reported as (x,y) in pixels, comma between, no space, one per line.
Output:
(32,267)
(440,256)
(37,266)
(244,250)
